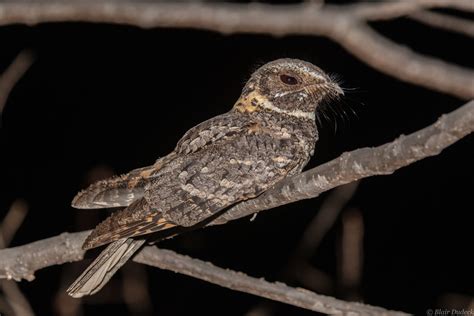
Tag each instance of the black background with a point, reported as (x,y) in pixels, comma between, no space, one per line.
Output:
(104,99)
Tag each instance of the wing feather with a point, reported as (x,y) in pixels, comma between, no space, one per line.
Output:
(237,166)
(134,220)
(217,164)
(118,191)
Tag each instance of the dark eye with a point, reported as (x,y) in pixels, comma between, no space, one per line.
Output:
(286,79)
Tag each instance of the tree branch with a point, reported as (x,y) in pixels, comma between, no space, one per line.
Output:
(21,262)
(394,9)
(403,63)
(343,24)
(444,21)
(362,163)
(8,228)
(13,74)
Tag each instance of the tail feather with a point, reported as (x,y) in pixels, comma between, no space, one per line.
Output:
(113,192)
(121,190)
(104,267)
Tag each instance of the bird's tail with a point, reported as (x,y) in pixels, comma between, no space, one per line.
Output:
(104,266)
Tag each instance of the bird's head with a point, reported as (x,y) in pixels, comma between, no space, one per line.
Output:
(288,86)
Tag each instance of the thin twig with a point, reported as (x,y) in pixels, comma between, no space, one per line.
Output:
(324,220)
(351,253)
(385,10)
(343,24)
(8,228)
(12,221)
(298,266)
(444,21)
(13,74)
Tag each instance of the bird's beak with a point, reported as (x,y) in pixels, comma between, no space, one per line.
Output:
(331,88)
(336,89)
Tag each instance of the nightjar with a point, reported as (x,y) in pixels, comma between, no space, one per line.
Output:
(268,135)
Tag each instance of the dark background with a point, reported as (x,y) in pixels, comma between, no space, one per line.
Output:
(103,99)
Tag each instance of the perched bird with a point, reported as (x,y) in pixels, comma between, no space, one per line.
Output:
(268,135)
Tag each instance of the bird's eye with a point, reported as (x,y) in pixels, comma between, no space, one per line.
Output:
(290,80)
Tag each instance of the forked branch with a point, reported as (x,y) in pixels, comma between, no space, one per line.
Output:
(344,24)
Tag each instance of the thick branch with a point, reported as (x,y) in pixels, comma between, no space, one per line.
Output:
(363,162)
(343,24)
(21,262)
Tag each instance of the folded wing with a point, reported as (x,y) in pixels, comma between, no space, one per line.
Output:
(118,191)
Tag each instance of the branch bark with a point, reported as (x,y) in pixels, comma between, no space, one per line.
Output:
(21,262)
(444,21)
(343,24)
(8,228)
(362,163)
(169,260)
(395,9)
(403,63)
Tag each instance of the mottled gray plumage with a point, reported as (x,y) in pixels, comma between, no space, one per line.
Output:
(268,135)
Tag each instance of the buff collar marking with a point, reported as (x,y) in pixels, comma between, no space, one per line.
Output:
(250,103)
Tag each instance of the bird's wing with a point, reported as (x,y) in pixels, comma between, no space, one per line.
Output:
(120,190)
(236,164)
(132,221)
(244,161)
(217,129)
